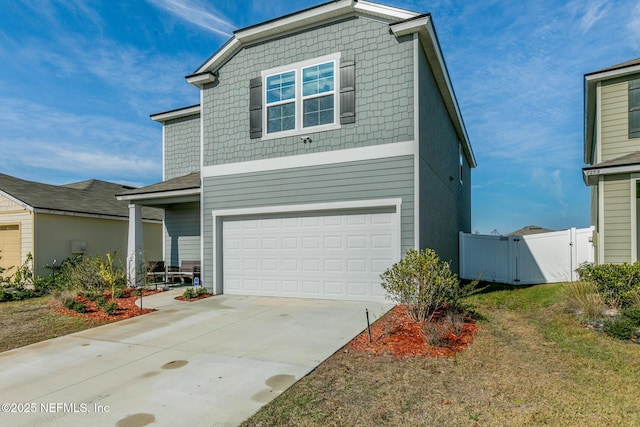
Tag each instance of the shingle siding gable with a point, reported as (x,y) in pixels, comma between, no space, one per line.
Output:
(383,103)
(181,146)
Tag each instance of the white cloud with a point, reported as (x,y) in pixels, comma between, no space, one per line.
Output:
(199,14)
(590,13)
(77,146)
(634,26)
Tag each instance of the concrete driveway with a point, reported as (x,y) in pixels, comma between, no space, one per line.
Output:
(211,362)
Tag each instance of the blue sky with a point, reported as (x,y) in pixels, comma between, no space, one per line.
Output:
(79,80)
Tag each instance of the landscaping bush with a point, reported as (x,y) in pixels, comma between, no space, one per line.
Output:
(633,314)
(424,284)
(189,293)
(71,303)
(621,328)
(5,295)
(200,291)
(618,284)
(101,301)
(119,293)
(110,308)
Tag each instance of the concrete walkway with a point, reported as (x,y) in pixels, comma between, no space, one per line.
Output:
(210,362)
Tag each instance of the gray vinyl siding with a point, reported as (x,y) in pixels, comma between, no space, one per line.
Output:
(181,146)
(363,180)
(182,233)
(617,219)
(445,203)
(384,92)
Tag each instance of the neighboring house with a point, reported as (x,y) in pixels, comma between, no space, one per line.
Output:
(612,151)
(529,230)
(55,222)
(326,143)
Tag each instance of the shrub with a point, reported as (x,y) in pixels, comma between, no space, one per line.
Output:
(424,284)
(91,296)
(633,314)
(71,303)
(200,291)
(621,328)
(189,293)
(436,332)
(110,308)
(119,293)
(101,301)
(583,297)
(79,307)
(618,284)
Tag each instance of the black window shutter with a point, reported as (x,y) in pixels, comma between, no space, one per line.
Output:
(634,108)
(347,91)
(255,108)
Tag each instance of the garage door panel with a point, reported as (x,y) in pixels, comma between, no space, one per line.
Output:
(337,256)
(10,246)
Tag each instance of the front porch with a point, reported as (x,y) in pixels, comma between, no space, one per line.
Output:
(180,200)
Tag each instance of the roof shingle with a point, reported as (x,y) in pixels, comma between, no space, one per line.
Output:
(93,197)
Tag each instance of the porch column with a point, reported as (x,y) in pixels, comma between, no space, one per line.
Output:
(135,248)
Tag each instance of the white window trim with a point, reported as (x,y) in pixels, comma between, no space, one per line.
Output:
(297,67)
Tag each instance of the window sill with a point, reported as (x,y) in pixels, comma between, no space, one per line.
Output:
(298,132)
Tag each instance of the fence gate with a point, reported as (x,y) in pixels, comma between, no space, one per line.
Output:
(522,260)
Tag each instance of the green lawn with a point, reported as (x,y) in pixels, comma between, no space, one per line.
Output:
(33,320)
(530,364)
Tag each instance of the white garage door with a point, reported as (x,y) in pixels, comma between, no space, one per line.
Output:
(316,256)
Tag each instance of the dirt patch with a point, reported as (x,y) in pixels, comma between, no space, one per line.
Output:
(127,307)
(397,335)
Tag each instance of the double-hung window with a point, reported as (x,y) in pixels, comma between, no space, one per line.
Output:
(302,97)
(318,97)
(281,102)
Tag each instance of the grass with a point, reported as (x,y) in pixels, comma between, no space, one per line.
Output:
(530,364)
(30,321)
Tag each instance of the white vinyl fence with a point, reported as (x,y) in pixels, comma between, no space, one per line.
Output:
(524,260)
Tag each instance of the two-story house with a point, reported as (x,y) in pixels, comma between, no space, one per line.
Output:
(326,143)
(612,151)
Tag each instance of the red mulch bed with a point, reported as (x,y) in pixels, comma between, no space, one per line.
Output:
(199,297)
(399,336)
(126,307)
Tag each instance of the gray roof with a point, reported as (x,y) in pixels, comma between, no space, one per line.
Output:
(627,159)
(185,182)
(530,229)
(92,197)
(625,64)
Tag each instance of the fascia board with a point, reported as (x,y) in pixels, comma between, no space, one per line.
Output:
(590,174)
(202,79)
(176,114)
(606,75)
(87,215)
(271,28)
(160,195)
(17,201)
(387,12)
(297,21)
(429,40)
